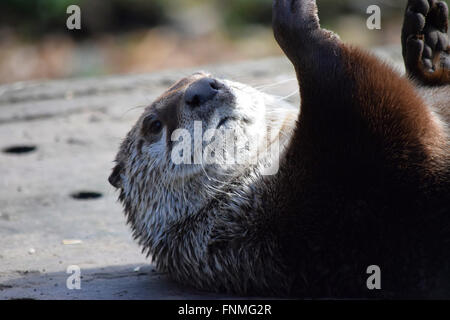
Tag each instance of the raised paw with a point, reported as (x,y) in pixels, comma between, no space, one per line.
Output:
(296,27)
(426,49)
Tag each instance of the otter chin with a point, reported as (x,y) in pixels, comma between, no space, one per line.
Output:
(229,189)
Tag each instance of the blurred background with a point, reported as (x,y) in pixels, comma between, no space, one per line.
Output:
(136,36)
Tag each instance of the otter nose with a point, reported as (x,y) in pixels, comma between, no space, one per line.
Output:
(201,91)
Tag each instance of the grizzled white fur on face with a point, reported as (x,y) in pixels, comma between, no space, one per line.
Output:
(178,211)
(237,111)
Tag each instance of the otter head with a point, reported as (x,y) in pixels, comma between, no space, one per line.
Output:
(201,133)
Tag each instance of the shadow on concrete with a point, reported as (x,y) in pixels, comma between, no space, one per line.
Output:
(112,282)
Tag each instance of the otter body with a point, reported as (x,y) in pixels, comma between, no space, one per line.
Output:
(362,179)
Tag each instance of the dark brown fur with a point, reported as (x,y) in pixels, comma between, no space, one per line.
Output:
(366,180)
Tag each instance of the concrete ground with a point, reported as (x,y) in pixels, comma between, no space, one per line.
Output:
(57,143)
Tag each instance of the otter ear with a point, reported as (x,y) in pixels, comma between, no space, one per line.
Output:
(114,179)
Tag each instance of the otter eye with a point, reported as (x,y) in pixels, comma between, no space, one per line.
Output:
(150,125)
(155,127)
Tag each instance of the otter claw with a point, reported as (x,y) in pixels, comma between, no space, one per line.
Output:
(425,41)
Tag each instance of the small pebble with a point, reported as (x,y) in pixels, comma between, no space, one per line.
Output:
(71,242)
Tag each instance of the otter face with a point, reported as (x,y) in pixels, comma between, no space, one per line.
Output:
(194,140)
(199,126)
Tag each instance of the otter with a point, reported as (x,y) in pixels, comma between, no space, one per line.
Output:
(358,177)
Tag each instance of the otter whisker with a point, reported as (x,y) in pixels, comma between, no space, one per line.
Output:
(182,188)
(281,98)
(275,84)
(131,109)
